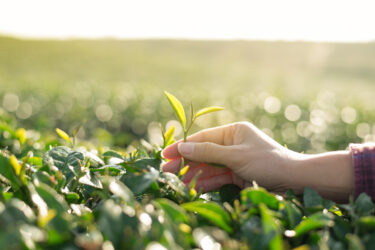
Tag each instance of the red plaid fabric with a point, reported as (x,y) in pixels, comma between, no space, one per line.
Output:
(363,157)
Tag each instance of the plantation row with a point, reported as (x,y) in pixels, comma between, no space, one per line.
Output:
(76,197)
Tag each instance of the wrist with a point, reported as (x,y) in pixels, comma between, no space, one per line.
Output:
(330,174)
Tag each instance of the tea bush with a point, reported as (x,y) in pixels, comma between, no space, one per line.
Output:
(99,185)
(56,196)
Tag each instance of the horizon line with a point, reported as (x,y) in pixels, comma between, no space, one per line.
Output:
(170,38)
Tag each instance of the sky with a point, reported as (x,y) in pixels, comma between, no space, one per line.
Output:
(314,20)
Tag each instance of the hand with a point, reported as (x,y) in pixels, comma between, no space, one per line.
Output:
(247,152)
(251,155)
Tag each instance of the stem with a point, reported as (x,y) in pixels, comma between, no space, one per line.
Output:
(187,130)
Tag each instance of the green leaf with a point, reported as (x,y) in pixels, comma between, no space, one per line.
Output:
(315,221)
(311,198)
(52,198)
(207,110)
(174,183)
(139,182)
(91,180)
(341,228)
(16,166)
(113,154)
(113,222)
(363,205)
(367,222)
(122,191)
(212,212)
(229,192)
(183,171)
(7,171)
(355,242)
(56,157)
(168,136)
(174,211)
(141,165)
(293,214)
(110,169)
(72,197)
(36,161)
(21,135)
(270,226)
(63,135)
(256,196)
(177,107)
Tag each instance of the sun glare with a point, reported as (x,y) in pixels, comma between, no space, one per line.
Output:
(319,20)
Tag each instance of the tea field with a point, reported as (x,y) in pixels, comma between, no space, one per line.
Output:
(98,185)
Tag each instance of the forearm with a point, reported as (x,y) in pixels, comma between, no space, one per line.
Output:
(330,174)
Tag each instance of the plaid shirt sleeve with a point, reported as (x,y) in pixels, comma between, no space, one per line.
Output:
(363,158)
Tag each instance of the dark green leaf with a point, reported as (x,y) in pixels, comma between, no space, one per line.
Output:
(113,154)
(256,196)
(138,182)
(293,214)
(363,205)
(229,192)
(311,198)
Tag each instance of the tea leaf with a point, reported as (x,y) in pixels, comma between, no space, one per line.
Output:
(256,196)
(363,205)
(211,211)
(113,154)
(175,212)
(183,171)
(168,136)
(317,220)
(270,226)
(178,108)
(311,198)
(63,135)
(21,135)
(16,166)
(207,110)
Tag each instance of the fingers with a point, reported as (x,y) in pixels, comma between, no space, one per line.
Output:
(207,171)
(213,183)
(208,152)
(174,165)
(222,135)
(171,152)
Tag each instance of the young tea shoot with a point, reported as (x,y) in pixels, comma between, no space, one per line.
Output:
(180,113)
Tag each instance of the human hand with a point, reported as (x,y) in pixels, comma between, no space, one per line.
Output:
(248,154)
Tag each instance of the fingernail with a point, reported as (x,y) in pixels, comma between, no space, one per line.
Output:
(162,154)
(186,148)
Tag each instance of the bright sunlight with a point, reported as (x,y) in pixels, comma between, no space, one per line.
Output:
(335,20)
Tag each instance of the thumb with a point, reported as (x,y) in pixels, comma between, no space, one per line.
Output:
(206,152)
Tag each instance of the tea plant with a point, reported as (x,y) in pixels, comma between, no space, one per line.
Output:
(180,113)
(55,194)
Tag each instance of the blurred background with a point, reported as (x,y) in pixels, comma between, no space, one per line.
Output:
(302,71)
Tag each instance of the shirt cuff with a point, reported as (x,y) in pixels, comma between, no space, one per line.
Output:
(363,159)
